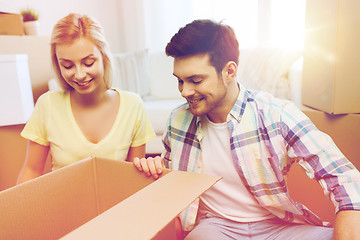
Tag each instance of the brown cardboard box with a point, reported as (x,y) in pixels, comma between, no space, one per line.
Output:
(331,64)
(123,203)
(11,24)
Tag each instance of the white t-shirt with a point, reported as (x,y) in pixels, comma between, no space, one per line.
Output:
(229,197)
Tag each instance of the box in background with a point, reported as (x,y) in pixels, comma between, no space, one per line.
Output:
(38,50)
(122,202)
(11,24)
(16,97)
(331,64)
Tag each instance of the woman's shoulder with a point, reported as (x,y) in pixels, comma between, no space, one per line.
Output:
(129,96)
(52,96)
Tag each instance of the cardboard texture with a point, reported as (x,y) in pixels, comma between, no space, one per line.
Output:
(124,203)
(11,24)
(331,63)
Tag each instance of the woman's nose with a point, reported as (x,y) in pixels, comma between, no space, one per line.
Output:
(80,73)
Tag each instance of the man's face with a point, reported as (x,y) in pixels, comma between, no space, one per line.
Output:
(200,85)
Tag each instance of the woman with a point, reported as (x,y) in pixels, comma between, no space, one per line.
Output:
(87,118)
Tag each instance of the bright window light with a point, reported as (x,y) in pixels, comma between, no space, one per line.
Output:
(241,15)
(287,23)
(257,23)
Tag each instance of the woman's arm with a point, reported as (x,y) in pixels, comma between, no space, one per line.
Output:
(34,162)
(134,152)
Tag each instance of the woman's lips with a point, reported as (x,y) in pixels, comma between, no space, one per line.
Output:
(83,84)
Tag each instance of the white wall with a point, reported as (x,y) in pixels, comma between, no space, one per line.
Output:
(50,11)
(163,19)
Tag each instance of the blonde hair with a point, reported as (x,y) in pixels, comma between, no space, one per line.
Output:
(71,28)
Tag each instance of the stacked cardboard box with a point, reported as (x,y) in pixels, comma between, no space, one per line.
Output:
(11,24)
(331,70)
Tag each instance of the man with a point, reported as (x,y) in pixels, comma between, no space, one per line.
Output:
(250,139)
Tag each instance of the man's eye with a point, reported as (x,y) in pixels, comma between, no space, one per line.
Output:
(180,82)
(196,80)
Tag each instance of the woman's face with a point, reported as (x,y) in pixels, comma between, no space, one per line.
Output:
(81,65)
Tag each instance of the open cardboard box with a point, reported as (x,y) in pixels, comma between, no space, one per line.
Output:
(98,199)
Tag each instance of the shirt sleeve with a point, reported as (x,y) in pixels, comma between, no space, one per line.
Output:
(35,128)
(143,129)
(322,160)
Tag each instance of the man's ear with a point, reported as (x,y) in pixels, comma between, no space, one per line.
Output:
(229,71)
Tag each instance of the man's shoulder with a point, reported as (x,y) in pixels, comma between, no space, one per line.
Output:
(267,102)
(274,109)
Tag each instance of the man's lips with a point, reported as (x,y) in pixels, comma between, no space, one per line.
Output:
(194,101)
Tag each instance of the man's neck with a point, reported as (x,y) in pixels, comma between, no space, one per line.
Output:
(229,101)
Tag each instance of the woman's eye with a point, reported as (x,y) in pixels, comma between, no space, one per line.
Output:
(67,66)
(89,62)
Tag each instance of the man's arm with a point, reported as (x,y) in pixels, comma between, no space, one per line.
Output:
(150,166)
(347,225)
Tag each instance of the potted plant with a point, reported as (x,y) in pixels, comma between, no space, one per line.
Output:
(31,21)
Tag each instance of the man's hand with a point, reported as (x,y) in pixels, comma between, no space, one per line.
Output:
(150,166)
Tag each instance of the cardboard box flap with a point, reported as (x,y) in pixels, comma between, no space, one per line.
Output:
(54,204)
(144,214)
(49,206)
(116,180)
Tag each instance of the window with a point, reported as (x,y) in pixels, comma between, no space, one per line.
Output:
(287,23)
(265,23)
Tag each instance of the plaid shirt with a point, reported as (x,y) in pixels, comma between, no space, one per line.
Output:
(267,135)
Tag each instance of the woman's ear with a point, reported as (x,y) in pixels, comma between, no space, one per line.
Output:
(229,71)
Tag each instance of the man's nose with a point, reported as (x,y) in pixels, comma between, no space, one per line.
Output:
(186,90)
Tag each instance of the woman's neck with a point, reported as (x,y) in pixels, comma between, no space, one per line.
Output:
(90,100)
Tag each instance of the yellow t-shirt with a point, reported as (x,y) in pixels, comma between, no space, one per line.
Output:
(53,123)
